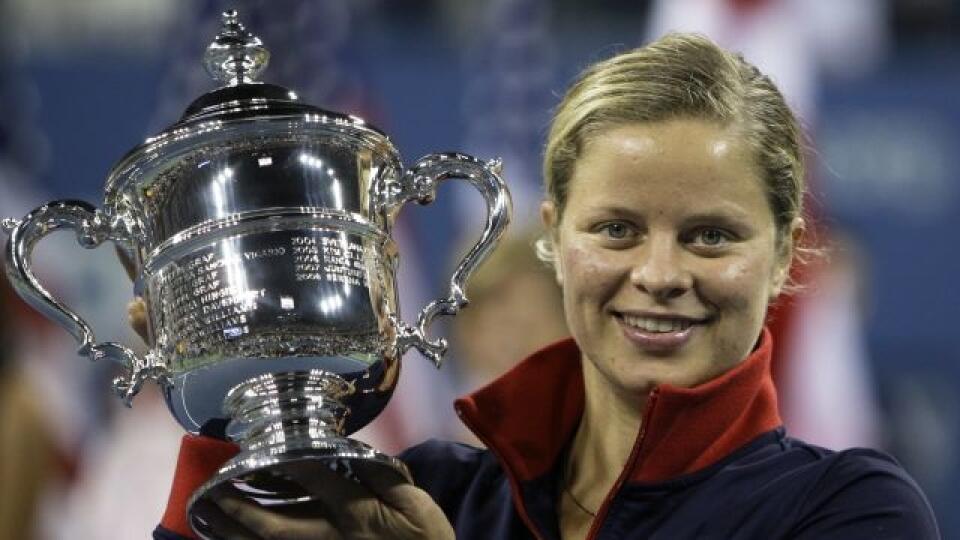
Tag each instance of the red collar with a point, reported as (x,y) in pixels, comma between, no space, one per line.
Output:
(528,416)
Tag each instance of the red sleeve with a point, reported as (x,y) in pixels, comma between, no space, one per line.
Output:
(200,458)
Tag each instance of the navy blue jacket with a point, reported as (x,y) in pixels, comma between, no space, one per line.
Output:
(774,487)
(710,462)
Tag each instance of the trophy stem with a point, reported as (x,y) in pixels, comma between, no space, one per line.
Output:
(294,408)
(280,420)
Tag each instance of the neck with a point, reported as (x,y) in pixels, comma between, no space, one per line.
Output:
(604,439)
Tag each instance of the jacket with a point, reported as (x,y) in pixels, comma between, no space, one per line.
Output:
(711,461)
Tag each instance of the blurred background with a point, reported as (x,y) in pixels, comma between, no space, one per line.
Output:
(868,354)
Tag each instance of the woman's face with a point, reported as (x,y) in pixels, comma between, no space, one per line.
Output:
(667,253)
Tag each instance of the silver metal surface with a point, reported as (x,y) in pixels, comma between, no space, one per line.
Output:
(260,229)
(92,228)
(283,419)
(419,184)
(235,56)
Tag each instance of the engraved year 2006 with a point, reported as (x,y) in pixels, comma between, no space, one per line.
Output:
(328,259)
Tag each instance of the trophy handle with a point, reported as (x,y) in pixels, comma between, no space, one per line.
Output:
(93,227)
(419,183)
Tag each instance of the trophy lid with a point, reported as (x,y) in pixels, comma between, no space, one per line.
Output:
(241,106)
(235,58)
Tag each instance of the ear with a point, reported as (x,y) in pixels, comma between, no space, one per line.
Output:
(781,271)
(551,221)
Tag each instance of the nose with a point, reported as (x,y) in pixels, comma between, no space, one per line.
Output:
(659,270)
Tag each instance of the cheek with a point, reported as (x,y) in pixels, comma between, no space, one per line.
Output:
(742,284)
(588,277)
(738,292)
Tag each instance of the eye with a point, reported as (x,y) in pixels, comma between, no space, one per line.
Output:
(712,237)
(616,230)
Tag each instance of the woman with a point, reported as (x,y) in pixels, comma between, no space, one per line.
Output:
(674,182)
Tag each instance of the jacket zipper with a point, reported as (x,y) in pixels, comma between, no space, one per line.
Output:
(627,469)
(514,486)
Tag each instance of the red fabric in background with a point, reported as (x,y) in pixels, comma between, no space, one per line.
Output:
(747,5)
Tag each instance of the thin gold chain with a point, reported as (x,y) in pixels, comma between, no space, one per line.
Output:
(566,489)
(567,473)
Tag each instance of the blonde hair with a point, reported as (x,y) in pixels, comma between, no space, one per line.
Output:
(679,76)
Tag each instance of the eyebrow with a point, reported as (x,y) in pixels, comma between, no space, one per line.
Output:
(721,215)
(725,213)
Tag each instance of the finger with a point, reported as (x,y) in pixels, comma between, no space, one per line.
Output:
(269,524)
(406,499)
(332,487)
(393,490)
(350,505)
(335,489)
(412,503)
(373,500)
(137,317)
(217,524)
(342,498)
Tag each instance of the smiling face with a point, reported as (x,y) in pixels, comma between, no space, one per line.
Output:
(667,253)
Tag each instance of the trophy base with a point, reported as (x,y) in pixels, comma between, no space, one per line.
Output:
(264,475)
(282,421)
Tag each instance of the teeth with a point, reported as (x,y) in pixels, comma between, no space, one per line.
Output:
(657,325)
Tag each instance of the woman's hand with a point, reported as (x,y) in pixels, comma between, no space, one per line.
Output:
(373,508)
(136,309)
(137,316)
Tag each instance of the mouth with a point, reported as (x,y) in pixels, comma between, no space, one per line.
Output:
(658,332)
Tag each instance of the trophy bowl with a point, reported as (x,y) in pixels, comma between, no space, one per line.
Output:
(260,231)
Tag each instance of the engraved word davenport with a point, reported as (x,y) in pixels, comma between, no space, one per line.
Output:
(260,228)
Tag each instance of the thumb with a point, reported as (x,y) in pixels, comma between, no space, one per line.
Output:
(394,490)
(137,317)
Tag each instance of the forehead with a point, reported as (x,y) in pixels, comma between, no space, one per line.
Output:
(678,163)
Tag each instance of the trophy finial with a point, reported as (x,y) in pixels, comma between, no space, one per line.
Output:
(8,225)
(236,56)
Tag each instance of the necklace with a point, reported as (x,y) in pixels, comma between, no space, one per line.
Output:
(567,474)
(566,489)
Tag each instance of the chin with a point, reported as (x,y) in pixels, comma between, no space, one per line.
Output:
(642,382)
(638,384)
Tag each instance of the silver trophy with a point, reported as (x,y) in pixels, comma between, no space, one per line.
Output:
(260,228)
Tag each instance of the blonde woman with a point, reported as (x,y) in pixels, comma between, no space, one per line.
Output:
(674,180)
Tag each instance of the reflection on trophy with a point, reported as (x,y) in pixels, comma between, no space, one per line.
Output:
(261,231)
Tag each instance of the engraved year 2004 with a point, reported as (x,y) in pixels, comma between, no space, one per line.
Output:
(333,260)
